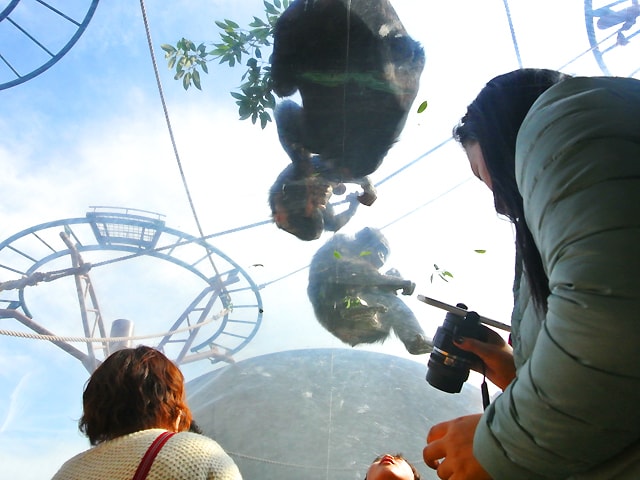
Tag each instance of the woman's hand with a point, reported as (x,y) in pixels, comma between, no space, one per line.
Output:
(496,354)
(449,450)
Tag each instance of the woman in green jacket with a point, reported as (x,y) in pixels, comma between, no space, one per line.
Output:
(562,158)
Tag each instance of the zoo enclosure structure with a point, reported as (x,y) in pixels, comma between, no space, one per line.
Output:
(223,317)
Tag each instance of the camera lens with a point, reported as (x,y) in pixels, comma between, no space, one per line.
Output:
(448,366)
(447,373)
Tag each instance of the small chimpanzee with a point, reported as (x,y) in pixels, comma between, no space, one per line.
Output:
(357,72)
(357,303)
(299,204)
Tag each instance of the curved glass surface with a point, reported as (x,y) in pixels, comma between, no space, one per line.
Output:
(93,132)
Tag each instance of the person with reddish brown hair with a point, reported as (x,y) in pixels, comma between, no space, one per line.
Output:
(134,404)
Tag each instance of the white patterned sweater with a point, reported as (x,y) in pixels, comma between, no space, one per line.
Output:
(185,456)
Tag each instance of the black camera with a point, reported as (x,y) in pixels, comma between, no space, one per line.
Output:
(448,366)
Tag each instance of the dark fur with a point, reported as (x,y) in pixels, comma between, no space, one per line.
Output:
(354,301)
(357,72)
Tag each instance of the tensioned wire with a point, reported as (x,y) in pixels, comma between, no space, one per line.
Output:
(170,129)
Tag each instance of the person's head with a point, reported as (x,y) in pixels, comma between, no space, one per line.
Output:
(488,132)
(391,467)
(134,389)
(493,120)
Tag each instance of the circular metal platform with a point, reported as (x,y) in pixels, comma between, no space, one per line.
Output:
(35,35)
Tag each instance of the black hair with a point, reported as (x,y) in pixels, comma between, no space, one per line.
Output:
(493,120)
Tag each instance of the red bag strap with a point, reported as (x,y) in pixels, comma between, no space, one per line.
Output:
(150,455)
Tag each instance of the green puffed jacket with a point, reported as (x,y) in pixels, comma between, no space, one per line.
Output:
(574,409)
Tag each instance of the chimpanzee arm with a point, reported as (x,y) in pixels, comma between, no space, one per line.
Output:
(290,122)
(405,326)
(333,222)
(351,274)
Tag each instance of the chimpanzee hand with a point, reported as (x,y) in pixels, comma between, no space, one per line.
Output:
(369,194)
(339,188)
(408,288)
(367,198)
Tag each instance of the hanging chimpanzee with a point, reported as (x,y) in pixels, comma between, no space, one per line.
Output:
(357,303)
(357,72)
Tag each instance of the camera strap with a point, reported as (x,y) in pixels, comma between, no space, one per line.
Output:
(484,388)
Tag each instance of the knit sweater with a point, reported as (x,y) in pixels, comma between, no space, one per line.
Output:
(186,456)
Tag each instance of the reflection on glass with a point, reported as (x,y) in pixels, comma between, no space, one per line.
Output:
(357,86)
(357,303)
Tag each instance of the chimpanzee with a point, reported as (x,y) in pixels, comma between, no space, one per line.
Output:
(357,72)
(301,206)
(357,303)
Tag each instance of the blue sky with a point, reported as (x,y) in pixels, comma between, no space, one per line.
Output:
(91,131)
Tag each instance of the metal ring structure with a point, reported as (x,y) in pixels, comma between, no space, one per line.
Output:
(611,29)
(224,291)
(35,35)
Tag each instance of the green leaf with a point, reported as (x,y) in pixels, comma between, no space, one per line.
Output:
(337,254)
(168,48)
(171,63)
(364,253)
(220,49)
(232,24)
(270,9)
(422,107)
(244,110)
(264,119)
(257,22)
(186,80)
(269,100)
(196,79)
(480,251)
